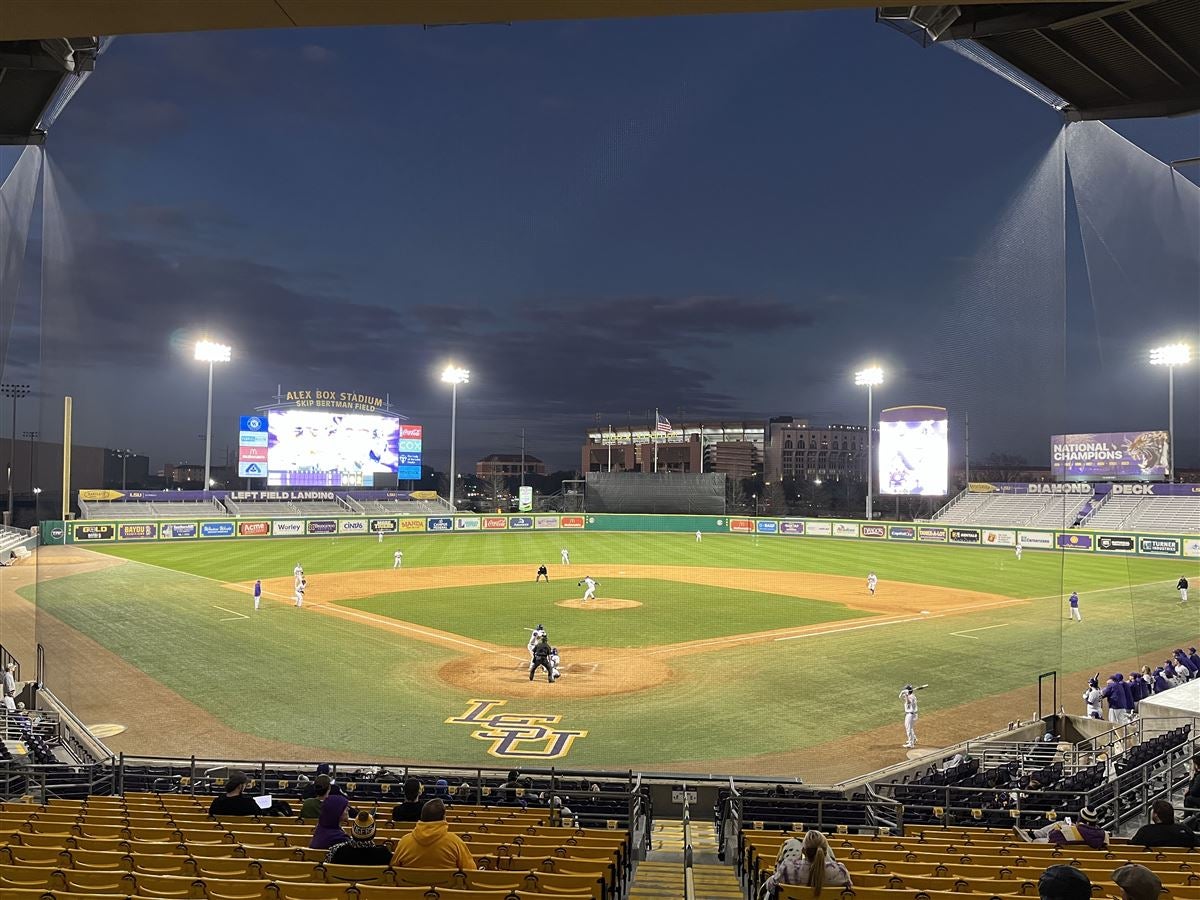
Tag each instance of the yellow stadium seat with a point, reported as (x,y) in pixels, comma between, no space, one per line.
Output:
(227,867)
(379,892)
(20,855)
(336,874)
(236,889)
(299,890)
(32,839)
(94,882)
(438,878)
(27,876)
(163,864)
(215,850)
(290,869)
(168,887)
(98,859)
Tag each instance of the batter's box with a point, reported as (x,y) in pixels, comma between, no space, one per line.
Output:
(580,669)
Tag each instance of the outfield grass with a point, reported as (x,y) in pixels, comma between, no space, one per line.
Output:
(309,679)
(671,611)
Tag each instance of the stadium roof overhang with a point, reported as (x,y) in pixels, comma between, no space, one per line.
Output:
(1107,60)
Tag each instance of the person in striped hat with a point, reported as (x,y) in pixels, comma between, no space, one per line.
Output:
(361,849)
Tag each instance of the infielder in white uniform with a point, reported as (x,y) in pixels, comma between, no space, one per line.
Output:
(298,573)
(872,580)
(300,587)
(591,583)
(1017,551)
(566,557)
(909,696)
(554,663)
(397,559)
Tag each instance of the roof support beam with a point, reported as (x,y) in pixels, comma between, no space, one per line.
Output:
(1139,51)
(1057,44)
(1166,46)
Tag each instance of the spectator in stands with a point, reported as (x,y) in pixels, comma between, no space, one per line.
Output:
(808,862)
(361,849)
(507,791)
(1086,831)
(331,822)
(234,802)
(410,809)
(1194,657)
(1137,882)
(463,793)
(441,791)
(1064,883)
(1191,795)
(1163,831)
(431,844)
(311,808)
(10,687)
(562,814)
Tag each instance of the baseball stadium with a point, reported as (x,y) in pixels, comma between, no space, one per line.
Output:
(720,659)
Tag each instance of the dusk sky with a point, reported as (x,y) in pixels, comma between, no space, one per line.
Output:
(723,216)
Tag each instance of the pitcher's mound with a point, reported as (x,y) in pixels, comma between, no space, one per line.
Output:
(602,603)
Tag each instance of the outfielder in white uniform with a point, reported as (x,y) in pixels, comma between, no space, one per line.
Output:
(872,581)
(566,557)
(300,587)
(380,534)
(698,537)
(908,695)
(590,593)
(1017,551)
(397,559)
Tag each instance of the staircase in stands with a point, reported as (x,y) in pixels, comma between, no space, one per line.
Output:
(660,875)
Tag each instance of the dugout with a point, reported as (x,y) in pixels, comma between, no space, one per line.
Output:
(649,492)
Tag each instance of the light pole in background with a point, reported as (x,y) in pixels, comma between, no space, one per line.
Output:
(870,377)
(1171,355)
(454,376)
(37,504)
(33,437)
(124,455)
(209,352)
(15,392)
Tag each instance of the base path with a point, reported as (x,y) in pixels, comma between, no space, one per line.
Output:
(487,669)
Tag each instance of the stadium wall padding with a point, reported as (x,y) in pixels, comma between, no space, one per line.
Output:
(99,531)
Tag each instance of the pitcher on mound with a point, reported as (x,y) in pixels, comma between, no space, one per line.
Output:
(592,584)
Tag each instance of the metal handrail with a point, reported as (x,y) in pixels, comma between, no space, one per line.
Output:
(689,886)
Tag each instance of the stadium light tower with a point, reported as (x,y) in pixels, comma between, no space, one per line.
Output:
(454,376)
(870,377)
(209,352)
(1171,355)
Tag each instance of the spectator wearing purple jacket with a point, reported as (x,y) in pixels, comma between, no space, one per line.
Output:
(1160,683)
(1182,659)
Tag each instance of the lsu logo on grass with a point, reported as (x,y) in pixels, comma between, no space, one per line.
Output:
(514,735)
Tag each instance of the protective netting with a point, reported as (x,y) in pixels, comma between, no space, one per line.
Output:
(18,194)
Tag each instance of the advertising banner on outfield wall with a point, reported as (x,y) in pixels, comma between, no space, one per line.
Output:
(287,527)
(931,533)
(352,526)
(466,523)
(1160,546)
(411,525)
(387,526)
(818,529)
(439,524)
(1038,540)
(571,521)
(1191,547)
(872,530)
(94,531)
(994,538)
(254,529)
(171,531)
(902,533)
(845,529)
(1072,541)
(786,527)
(520,522)
(141,531)
(321,526)
(495,523)
(545,522)
(964,535)
(216,529)
(743,526)
(767,526)
(1116,543)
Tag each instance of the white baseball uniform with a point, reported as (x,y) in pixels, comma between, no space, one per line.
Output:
(554,666)
(534,638)
(872,580)
(698,537)
(300,592)
(1092,698)
(298,573)
(590,583)
(1018,551)
(397,559)
(910,718)
(380,535)
(566,557)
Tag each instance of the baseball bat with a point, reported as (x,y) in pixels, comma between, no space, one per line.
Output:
(920,687)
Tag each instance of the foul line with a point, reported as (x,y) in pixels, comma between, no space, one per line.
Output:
(967,633)
(236,615)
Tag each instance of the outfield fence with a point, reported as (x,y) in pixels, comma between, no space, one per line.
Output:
(1125,543)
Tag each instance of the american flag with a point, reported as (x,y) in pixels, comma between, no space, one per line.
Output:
(661,424)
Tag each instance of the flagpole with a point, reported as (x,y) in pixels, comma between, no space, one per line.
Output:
(654,438)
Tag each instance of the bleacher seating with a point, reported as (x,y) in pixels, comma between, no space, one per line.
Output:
(1171,515)
(166,846)
(109,510)
(405,507)
(284,508)
(1029,510)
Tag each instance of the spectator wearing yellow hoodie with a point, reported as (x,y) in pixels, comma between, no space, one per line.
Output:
(431,844)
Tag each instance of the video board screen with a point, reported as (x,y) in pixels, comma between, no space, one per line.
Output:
(1105,456)
(327,448)
(914,455)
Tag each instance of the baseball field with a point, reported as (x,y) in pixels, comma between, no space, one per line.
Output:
(734,654)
